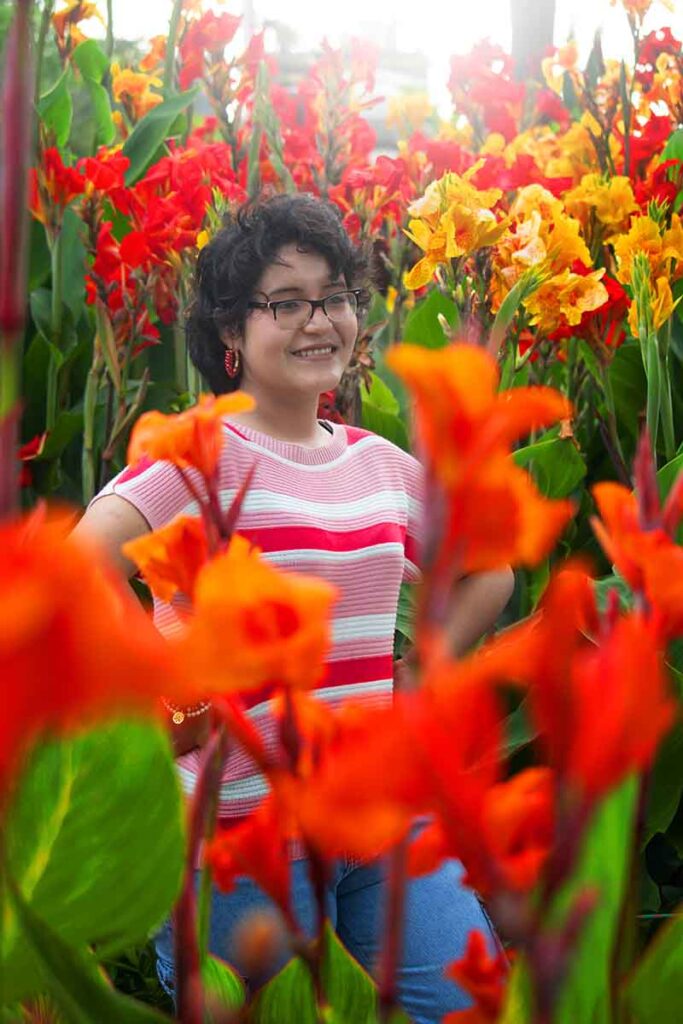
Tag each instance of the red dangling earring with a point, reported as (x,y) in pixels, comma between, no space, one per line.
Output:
(232,362)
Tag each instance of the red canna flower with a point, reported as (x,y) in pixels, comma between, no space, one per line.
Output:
(483,975)
(52,187)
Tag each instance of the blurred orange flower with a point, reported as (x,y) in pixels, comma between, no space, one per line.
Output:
(74,644)
(483,975)
(466,430)
(133,89)
(255,626)
(189,439)
(170,558)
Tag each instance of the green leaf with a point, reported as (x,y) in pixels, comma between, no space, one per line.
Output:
(555,464)
(105,132)
(72,253)
(69,424)
(665,785)
(385,424)
(151,131)
(91,60)
(422,325)
(405,612)
(653,993)
(289,995)
(55,110)
(614,581)
(666,476)
(40,304)
(518,1003)
(222,987)
(629,386)
(603,866)
(380,395)
(94,840)
(72,976)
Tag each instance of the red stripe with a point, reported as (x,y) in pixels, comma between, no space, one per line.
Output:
(338,673)
(291,538)
(356,434)
(236,431)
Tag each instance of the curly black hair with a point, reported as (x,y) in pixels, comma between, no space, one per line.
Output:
(230,266)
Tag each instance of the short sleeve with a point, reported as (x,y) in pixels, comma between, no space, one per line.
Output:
(155,489)
(414,477)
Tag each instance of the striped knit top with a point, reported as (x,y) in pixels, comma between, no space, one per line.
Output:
(350,512)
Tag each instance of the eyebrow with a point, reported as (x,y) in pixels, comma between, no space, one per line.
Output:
(296,288)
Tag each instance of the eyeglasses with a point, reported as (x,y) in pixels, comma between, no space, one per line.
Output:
(291,314)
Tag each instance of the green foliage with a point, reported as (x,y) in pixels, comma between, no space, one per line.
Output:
(653,994)
(223,988)
(85,811)
(152,130)
(380,413)
(422,325)
(604,869)
(555,464)
(350,991)
(55,110)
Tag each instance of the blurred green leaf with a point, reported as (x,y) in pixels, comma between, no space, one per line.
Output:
(385,424)
(653,993)
(629,386)
(422,325)
(68,425)
(665,784)
(72,976)
(105,132)
(151,131)
(380,395)
(72,253)
(555,464)
(405,614)
(91,60)
(603,866)
(94,841)
(55,110)
(222,987)
(289,996)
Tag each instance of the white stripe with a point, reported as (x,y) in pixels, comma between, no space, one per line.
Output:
(332,694)
(351,451)
(276,502)
(356,627)
(322,555)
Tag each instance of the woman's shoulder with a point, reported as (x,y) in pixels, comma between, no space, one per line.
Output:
(369,445)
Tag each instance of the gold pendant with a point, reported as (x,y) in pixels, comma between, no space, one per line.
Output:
(178,718)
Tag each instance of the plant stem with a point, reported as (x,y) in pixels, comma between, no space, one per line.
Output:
(40,46)
(393,935)
(169,65)
(55,331)
(109,41)
(180,358)
(187,948)
(89,406)
(9,422)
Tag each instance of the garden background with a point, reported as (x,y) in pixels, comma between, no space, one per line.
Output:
(530,242)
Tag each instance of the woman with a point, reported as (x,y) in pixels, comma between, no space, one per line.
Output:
(278,295)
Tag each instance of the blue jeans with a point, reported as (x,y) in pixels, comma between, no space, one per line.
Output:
(440,912)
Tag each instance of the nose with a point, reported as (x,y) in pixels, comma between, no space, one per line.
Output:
(318,321)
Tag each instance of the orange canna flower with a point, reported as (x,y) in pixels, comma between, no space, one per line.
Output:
(69,16)
(466,430)
(483,974)
(156,56)
(134,90)
(255,626)
(170,558)
(74,645)
(518,823)
(189,439)
(562,300)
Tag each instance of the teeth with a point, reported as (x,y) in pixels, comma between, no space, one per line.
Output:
(325,350)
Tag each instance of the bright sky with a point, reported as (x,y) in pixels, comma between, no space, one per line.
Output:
(432,27)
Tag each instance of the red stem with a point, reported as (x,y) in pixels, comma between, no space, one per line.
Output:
(393,937)
(187,958)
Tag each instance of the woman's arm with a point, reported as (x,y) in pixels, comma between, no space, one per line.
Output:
(476,603)
(110,522)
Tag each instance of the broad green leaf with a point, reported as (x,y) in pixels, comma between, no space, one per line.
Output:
(405,613)
(520,730)
(602,866)
(151,131)
(385,424)
(665,784)
(223,989)
(666,477)
(68,425)
(555,464)
(91,60)
(517,1008)
(72,976)
(629,386)
(422,325)
(55,110)
(72,254)
(94,841)
(40,304)
(653,993)
(348,988)
(105,132)
(38,256)
(380,395)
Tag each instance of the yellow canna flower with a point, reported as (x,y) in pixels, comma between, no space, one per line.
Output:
(564,298)
(611,200)
(644,238)
(133,90)
(660,302)
(637,9)
(409,112)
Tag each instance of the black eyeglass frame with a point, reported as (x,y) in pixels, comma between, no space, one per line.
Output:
(358,293)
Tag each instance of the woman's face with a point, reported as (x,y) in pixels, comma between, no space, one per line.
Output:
(280,358)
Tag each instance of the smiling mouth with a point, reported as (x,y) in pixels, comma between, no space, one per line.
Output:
(319,352)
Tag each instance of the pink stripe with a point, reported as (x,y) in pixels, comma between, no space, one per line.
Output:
(289,538)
